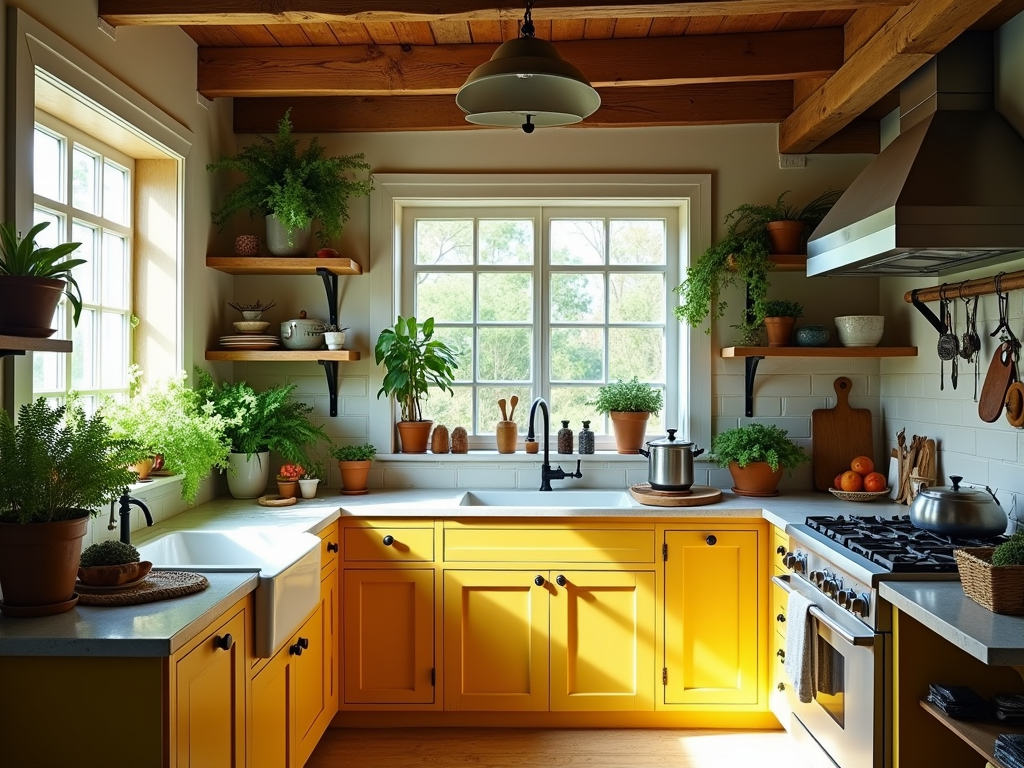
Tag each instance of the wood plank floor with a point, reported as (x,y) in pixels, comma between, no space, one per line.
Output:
(543,748)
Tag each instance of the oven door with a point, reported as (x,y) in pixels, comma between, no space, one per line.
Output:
(846,716)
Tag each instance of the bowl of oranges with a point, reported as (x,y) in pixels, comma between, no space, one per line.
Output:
(860,482)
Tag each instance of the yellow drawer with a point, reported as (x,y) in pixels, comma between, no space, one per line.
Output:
(549,545)
(780,545)
(329,545)
(389,544)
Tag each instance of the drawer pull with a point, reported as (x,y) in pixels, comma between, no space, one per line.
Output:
(782,686)
(561,581)
(539,581)
(389,540)
(711,540)
(295,650)
(224,642)
(332,546)
(781,654)
(780,618)
(780,550)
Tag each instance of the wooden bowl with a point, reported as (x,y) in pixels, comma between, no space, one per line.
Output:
(113,575)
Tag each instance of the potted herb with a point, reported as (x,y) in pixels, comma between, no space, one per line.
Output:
(57,468)
(111,563)
(756,455)
(256,423)
(779,318)
(292,189)
(32,280)
(354,463)
(414,361)
(630,404)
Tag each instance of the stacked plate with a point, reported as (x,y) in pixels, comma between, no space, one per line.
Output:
(250,341)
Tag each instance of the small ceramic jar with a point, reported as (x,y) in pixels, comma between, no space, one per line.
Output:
(247,245)
(586,439)
(811,336)
(565,438)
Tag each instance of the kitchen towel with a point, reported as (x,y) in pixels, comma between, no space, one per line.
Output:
(800,645)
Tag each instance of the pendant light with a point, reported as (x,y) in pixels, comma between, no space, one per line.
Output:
(527,83)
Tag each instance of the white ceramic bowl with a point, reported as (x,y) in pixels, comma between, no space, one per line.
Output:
(251,326)
(860,330)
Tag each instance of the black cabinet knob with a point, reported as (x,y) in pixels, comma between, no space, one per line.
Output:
(711,540)
(389,540)
(780,618)
(781,654)
(782,686)
(561,581)
(295,650)
(780,550)
(303,642)
(332,546)
(224,642)
(539,581)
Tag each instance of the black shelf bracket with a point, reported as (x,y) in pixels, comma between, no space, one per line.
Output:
(749,372)
(5,352)
(331,287)
(331,370)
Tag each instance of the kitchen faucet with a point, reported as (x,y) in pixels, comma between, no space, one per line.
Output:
(125,511)
(547,474)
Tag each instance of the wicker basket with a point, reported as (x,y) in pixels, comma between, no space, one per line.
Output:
(1000,588)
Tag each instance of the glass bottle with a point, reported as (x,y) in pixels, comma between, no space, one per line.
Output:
(586,439)
(565,438)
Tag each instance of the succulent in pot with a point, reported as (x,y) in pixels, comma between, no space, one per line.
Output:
(110,564)
(334,335)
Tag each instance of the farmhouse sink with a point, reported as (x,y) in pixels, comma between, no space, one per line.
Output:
(571,499)
(288,564)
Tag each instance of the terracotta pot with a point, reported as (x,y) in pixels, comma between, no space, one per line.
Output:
(354,475)
(114,575)
(755,479)
(27,305)
(786,236)
(630,428)
(414,435)
(39,564)
(780,330)
(143,468)
(287,488)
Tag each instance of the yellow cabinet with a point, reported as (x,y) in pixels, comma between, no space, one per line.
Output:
(270,705)
(712,625)
(389,635)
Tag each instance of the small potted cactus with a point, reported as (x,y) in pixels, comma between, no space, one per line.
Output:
(111,564)
(334,336)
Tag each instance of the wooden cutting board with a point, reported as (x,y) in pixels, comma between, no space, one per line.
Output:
(838,436)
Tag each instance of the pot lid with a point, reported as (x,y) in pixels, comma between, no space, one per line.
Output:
(955,493)
(670,441)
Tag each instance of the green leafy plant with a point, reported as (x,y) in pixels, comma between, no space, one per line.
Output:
(172,419)
(296,187)
(260,421)
(111,552)
(1011,551)
(757,442)
(365,452)
(783,308)
(415,361)
(21,257)
(630,395)
(57,463)
(331,328)
(315,465)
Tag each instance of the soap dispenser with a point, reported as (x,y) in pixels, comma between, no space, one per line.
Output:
(565,438)
(586,439)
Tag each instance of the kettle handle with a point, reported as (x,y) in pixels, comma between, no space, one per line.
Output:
(697,452)
(642,452)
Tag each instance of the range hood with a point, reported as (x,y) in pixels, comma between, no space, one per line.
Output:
(947,193)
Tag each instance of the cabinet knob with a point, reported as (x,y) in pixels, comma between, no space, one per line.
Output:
(561,581)
(389,540)
(224,642)
(711,540)
(539,581)
(780,550)
(295,650)
(332,546)
(781,618)
(782,686)
(781,654)
(303,642)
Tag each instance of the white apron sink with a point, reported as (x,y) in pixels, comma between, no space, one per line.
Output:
(550,499)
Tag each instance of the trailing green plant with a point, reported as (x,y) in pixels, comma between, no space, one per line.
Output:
(21,257)
(757,442)
(260,421)
(111,552)
(365,452)
(172,419)
(296,187)
(414,361)
(632,395)
(57,464)
(783,308)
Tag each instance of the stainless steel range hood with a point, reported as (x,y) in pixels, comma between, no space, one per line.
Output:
(947,193)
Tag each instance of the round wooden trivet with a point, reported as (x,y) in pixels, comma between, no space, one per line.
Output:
(697,496)
(159,585)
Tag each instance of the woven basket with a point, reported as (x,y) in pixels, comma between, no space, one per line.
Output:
(1000,588)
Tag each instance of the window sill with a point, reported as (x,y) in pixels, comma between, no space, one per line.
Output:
(519,457)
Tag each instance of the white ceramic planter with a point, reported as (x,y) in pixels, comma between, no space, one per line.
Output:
(248,476)
(307,487)
(334,339)
(278,242)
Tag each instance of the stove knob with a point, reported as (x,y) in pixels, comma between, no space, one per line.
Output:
(817,577)
(800,565)
(830,587)
(790,560)
(844,598)
(860,606)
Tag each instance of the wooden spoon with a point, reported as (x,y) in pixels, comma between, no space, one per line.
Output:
(501,406)
(514,401)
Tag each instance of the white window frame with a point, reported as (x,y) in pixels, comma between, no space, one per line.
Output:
(689,194)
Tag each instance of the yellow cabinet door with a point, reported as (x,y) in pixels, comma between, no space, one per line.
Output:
(602,641)
(495,640)
(270,704)
(308,652)
(209,699)
(711,617)
(389,636)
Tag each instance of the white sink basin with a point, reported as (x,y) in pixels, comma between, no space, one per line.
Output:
(551,499)
(288,564)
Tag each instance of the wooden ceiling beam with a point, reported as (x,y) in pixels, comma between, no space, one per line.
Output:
(704,104)
(906,41)
(202,12)
(442,69)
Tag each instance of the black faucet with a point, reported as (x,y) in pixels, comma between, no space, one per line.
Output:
(547,474)
(126,519)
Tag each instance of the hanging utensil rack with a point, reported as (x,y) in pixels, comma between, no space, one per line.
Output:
(983,286)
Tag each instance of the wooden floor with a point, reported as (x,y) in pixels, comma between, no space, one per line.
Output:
(527,748)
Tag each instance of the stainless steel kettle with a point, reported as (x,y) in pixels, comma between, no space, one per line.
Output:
(957,511)
(670,463)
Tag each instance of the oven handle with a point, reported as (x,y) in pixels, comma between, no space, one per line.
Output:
(820,615)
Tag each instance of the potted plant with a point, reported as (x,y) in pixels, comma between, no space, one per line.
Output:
(630,404)
(415,361)
(171,420)
(334,336)
(110,564)
(288,479)
(756,455)
(256,423)
(742,256)
(57,468)
(32,280)
(779,318)
(292,189)
(314,471)
(354,463)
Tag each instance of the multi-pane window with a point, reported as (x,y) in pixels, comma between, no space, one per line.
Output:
(544,301)
(83,188)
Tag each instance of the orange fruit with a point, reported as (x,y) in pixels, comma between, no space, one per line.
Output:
(838,482)
(874,481)
(862,465)
(851,481)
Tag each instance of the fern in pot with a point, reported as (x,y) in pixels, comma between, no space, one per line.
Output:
(756,455)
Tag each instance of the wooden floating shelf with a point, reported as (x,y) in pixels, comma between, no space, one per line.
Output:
(19,345)
(284,355)
(980,735)
(259,265)
(819,352)
(784,262)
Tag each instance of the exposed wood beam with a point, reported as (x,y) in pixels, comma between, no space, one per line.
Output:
(705,104)
(442,69)
(909,39)
(200,12)
(863,135)
(863,25)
